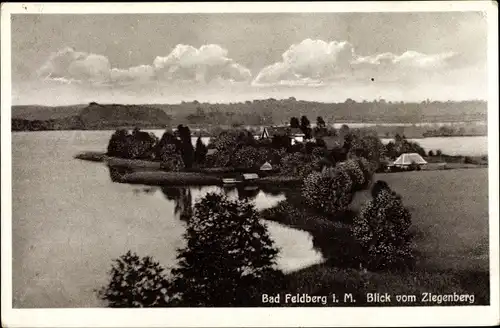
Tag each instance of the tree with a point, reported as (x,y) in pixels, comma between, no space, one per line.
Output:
(118,143)
(296,165)
(135,282)
(247,157)
(329,191)
(431,153)
(320,122)
(200,152)
(294,123)
(305,126)
(187,150)
(382,230)
(228,259)
(170,159)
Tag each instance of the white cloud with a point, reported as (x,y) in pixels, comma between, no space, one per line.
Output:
(209,62)
(184,64)
(136,74)
(70,65)
(310,60)
(315,62)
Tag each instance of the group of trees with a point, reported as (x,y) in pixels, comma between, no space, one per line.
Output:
(174,150)
(229,260)
(331,190)
(401,145)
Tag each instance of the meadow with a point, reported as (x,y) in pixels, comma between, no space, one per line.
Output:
(450,226)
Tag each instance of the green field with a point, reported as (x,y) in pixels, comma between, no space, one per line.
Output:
(450,224)
(449,213)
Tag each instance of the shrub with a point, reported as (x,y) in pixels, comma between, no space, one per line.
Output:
(329,191)
(378,186)
(229,258)
(382,229)
(135,282)
(247,157)
(170,158)
(359,172)
(296,165)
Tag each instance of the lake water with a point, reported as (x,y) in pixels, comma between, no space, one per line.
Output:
(70,221)
(466,146)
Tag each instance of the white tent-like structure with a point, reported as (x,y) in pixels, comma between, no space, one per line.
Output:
(408,158)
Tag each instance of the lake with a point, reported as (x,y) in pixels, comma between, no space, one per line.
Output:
(466,146)
(70,221)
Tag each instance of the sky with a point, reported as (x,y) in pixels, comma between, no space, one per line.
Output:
(62,59)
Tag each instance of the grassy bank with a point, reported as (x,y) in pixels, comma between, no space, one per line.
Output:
(325,279)
(92,156)
(450,226)
(160,178)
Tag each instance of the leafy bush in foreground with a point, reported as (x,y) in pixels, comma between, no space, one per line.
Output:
(382,229)
(229,257)
(135,282)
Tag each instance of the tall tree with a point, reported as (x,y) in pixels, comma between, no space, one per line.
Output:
(229,256)
(305,126)
(200,151)
(294,123)
(187,150)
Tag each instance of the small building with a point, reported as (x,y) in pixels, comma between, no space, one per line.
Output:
(407,159)
(211,151)
(250,176)
(266,167)
(295,134)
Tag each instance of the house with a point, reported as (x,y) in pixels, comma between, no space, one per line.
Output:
(295,134)
(406,159)
(211,151)
(250,176)
(266,167)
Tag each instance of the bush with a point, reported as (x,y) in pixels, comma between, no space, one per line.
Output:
(329,192)
(229,258)
(382,229)
(359,172)
(378,186)
(170,158)
(135,282)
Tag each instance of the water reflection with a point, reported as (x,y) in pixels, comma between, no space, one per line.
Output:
(182,199)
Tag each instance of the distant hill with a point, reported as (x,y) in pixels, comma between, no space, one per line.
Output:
(91,117)
(257,112)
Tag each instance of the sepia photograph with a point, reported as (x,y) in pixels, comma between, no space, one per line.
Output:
(202,157)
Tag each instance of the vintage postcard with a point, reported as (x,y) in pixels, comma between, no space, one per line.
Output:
(250,164)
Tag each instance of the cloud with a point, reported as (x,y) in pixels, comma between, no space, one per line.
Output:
(70,65)
(316,62)
(309,61)
(136,74)
(184,64)
(209,62)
